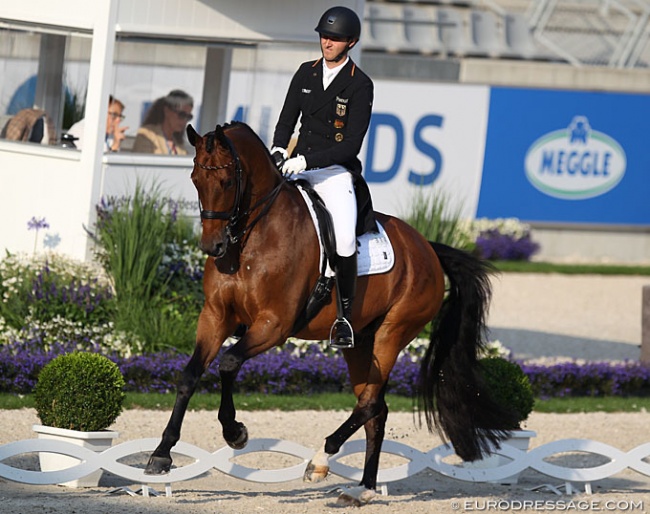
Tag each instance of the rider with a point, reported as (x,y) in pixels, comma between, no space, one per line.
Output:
(333,99)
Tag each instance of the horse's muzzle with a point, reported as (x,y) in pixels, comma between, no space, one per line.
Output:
(214,248)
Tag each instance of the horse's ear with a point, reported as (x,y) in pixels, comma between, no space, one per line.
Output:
(191,135)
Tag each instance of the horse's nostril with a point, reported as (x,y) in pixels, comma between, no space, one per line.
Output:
(219,250)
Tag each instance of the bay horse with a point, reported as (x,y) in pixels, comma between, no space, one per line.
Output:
(262,264)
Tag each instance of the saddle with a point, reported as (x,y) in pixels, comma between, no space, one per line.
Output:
(374,254)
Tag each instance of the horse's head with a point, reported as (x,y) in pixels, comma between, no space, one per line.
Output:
(220,182)
(226,185)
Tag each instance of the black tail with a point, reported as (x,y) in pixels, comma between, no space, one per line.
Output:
(449,387)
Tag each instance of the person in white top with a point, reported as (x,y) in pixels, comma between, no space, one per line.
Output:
(114,131)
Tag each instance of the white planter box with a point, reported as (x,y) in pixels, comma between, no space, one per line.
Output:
(95,441)
(519,439)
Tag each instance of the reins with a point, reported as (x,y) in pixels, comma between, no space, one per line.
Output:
(234,216)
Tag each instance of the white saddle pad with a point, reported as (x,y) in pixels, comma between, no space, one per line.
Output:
(374,251)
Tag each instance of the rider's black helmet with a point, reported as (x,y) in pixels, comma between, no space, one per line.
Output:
(339,22)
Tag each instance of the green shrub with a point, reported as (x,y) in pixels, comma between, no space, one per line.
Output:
(508,385)
(79,391)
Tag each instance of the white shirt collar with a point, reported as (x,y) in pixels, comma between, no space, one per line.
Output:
(330,74)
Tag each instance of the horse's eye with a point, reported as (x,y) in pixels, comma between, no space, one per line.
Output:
(228,183)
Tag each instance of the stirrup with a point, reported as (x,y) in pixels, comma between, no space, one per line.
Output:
(341,334)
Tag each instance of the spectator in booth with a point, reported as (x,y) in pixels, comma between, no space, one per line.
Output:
(114,131)
(30,125)
(164,125)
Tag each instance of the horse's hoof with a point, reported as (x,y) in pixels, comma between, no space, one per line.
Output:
(242,439)
(356,496)
(314,473)
(158,465)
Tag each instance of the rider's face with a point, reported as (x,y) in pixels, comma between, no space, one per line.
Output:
(332,47)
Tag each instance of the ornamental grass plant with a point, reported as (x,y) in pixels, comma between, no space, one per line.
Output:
(151,254)
(130,234)
(432,215)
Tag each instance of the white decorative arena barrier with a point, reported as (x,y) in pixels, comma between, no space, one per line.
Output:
(222,460)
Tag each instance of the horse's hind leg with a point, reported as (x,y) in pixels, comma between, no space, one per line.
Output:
(371,412)
(375,431)
(366,490)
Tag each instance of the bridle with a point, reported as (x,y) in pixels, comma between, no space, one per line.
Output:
(234,216)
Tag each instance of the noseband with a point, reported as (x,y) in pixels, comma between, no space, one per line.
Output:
(233,215)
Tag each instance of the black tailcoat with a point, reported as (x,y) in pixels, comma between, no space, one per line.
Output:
(333,123)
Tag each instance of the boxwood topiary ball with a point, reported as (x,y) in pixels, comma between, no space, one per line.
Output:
(508,385)
(79,391)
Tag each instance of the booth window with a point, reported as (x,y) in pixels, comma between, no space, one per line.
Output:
(146,72)
(47,69)
(42,70)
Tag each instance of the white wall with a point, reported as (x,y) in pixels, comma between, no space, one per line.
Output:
(43,182)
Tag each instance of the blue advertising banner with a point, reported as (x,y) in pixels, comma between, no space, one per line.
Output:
(567,157)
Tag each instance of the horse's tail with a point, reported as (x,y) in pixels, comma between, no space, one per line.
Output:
(449,388)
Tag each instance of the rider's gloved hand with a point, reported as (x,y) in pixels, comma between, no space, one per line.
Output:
(279,155)
(295,165)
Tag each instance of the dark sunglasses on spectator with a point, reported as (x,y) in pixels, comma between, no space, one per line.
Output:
(185,115)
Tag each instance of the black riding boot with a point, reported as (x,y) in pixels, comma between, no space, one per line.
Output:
(342,335)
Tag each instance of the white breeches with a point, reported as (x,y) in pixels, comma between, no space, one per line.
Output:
(334,185)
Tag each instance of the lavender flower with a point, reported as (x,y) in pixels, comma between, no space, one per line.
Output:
(37,224)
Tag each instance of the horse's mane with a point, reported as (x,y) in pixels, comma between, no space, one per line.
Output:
(219,135)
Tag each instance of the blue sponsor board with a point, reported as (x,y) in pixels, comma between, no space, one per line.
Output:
(567,157)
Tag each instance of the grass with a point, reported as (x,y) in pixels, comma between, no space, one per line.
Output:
(333,401)
(601,404)
(571,269)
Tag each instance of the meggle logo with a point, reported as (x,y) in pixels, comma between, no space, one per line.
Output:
(575,163)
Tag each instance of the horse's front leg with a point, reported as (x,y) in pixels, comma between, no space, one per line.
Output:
(234,433)
(160,461)
(259,338)
(207,347)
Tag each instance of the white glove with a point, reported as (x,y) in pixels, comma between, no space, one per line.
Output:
(295,165)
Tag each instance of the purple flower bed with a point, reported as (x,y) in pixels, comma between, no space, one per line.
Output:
(590,379)
(285,371)
(493,245)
